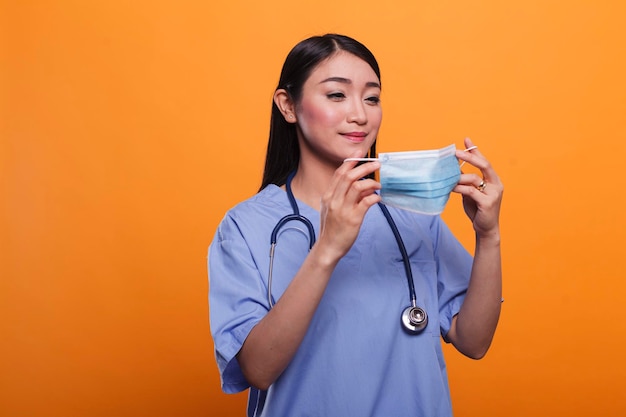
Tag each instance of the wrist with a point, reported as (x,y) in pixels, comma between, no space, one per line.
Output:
(323,257)
(491,237)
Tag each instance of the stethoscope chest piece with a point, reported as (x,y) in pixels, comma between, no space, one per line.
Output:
(414,319)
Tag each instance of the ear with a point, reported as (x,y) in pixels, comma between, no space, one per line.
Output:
(285,105)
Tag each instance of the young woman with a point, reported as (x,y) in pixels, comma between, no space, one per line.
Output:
(316,329)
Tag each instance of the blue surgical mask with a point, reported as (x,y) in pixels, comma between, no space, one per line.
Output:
(419,181)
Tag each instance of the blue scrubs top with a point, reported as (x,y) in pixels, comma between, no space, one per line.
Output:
(356,358)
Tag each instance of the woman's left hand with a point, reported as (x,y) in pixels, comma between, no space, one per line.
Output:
(482,196)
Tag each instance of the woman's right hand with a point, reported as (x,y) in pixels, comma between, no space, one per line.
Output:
(344,205)
(273,341)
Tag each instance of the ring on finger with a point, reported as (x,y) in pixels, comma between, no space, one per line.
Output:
(482,186)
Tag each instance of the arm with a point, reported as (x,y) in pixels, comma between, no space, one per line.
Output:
(272,343)
(472,329)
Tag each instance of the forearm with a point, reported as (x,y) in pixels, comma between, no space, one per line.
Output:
(473,328)
(273,342)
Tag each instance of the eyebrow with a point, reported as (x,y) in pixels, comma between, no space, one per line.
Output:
(348,81)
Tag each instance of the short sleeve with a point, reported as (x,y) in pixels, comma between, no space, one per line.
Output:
(236,301)
(454,266)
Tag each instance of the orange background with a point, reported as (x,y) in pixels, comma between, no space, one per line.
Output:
(129,128)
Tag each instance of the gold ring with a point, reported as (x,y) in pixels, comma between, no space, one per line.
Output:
(482,186)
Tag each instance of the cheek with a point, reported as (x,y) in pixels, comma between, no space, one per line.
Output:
(376,118)
(317,115)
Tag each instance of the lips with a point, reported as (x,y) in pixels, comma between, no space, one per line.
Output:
(355,136)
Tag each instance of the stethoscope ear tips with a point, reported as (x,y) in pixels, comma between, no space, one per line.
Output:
(414,319)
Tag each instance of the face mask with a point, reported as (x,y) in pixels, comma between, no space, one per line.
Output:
(419,181)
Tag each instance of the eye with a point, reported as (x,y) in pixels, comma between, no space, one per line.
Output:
(336,96)
(373,99)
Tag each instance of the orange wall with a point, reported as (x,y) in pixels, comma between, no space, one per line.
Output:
(129,128)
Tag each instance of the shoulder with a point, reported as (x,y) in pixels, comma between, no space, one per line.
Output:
(255,213)
(269,198)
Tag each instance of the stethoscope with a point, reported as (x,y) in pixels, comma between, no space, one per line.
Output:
(413,318)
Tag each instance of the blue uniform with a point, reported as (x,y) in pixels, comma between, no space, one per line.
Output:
(356,358)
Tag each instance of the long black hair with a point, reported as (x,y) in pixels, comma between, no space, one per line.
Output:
(283,151)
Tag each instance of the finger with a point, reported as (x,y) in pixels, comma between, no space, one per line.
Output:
(469,144)
(347,174)
(470,183)
(471,179)
(480,184)
(337,178)
(361,189)
(475,158)
(471,192)
(368,201)
(470,155)
(365,169)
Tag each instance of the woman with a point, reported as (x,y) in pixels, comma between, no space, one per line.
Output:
(320,334)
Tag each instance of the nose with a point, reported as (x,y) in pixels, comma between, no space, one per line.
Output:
(358,113)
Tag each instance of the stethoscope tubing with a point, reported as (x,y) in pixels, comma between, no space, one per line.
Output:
(402,248)
(413,318)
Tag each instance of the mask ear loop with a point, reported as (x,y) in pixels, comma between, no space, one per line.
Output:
(361,159)
(471,148)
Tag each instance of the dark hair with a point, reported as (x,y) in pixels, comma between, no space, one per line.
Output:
(283,151)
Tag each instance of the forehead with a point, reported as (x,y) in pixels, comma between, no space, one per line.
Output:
(344,65)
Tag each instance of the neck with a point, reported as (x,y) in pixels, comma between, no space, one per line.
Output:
(310,183)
